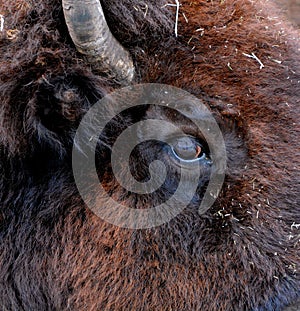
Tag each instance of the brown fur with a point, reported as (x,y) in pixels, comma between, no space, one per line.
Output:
(243,254)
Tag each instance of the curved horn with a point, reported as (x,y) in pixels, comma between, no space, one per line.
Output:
(91,35)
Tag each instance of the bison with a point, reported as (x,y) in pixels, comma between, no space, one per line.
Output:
(58,59)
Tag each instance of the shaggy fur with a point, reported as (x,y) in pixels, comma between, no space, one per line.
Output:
(243,254)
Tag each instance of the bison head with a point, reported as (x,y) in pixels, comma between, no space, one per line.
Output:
(230,64)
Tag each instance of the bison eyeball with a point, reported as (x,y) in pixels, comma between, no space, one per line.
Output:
(187,149)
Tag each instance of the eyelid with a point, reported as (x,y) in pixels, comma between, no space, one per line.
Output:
(180,134)
(190,131)
(175,136)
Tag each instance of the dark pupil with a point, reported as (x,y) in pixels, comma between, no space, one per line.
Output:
(187,149)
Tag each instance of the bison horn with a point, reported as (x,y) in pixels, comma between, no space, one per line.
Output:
(91,35)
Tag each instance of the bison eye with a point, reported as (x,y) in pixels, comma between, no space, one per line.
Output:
(187,149)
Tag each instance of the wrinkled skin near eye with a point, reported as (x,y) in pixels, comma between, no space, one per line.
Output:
(187,149)
(182,150)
